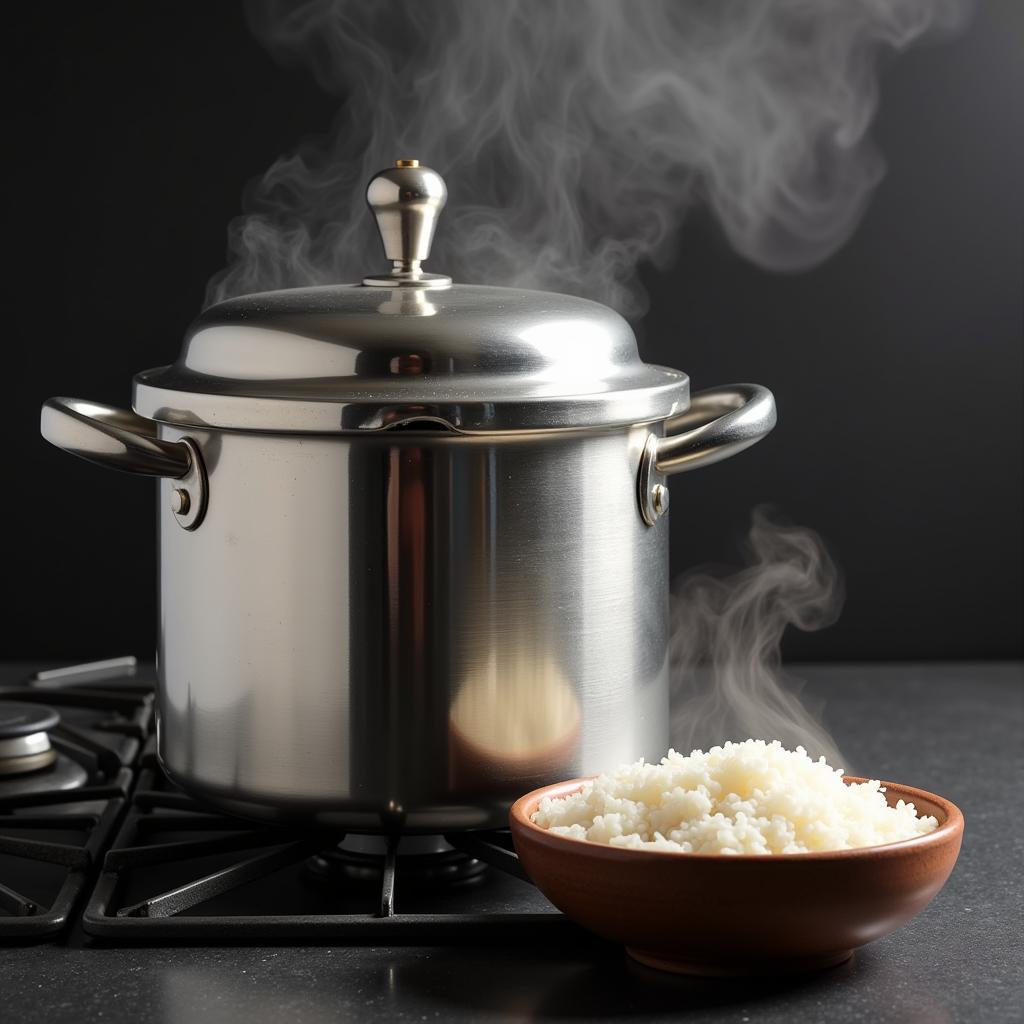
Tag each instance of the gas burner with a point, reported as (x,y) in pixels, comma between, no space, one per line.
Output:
(420,860)
(24,743)
(69,727)
(29,763)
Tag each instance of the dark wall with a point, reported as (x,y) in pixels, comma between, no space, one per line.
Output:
(897,365)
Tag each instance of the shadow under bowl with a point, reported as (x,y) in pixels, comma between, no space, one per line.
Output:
(715,914)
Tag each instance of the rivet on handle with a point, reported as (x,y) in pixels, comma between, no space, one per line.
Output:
(652,491)
(122,440)
(189,493)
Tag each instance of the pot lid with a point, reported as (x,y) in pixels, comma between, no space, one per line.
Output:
(408,348)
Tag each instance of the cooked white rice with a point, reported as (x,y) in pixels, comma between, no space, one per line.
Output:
(749,797)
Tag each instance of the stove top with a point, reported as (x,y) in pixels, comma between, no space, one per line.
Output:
(93,837)
(68,742)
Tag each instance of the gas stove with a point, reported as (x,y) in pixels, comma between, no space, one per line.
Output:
(95,840)
(69,739)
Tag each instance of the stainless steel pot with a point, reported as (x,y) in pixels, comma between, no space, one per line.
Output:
(413,537)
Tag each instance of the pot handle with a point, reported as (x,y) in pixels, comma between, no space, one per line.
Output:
(719,423)
(114,438)
(118,439)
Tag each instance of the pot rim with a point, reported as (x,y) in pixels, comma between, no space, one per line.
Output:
(160,394)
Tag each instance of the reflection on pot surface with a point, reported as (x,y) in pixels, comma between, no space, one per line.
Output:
(517,718)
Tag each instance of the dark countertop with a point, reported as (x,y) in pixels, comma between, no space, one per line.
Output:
(955,729)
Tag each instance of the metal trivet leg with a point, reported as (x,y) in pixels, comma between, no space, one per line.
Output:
(191,894)
(22,916)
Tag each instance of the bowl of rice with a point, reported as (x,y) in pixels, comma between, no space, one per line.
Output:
(746,859)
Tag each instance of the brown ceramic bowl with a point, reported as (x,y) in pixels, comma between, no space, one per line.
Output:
(739,914)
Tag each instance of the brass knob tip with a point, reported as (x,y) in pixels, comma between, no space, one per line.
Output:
(407,163)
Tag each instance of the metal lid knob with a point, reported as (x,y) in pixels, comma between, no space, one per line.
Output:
(406,200)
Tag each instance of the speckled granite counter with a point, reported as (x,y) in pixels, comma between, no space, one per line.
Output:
(956,729)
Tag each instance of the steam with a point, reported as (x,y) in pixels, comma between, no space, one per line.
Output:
(726,634)
(575,135)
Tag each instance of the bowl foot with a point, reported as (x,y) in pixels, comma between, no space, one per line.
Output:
(739,969)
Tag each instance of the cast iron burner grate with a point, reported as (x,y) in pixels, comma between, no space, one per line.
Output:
(55,822)
(179,871)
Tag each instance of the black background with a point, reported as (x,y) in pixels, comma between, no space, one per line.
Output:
(132,128)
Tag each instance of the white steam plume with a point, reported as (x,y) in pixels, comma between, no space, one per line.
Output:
(576,134)
(727,683)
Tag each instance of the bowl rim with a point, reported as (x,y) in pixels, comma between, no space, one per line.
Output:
(949,829)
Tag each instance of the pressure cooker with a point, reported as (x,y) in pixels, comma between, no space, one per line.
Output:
(413,537)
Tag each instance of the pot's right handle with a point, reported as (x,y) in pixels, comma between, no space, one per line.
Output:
(118,439)
(719,423)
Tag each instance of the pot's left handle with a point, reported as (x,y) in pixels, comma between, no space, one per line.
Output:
(118,439)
